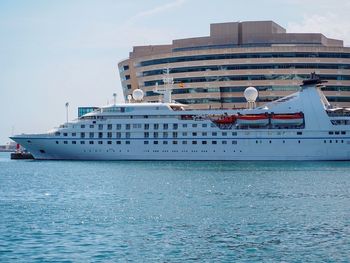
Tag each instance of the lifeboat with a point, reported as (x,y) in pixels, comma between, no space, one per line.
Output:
(287,119)
(253,119)
(226,120)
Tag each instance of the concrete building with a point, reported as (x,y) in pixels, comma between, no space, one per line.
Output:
(213,71)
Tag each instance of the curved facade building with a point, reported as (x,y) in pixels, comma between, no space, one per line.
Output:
(213,71)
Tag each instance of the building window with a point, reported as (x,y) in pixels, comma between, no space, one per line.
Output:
(127,135)
(100,135)
(109,142)
(165,142)
(65,142)
(204,125)
(224,134)
(82,142)
(214,133)
(100,142)
(146,134)
(214,142)
(109,126)
(118,142)
(65,134)
(127,142)
(91,126)
(82,126)
(194,134)
(74,142)
(204,134)
(194,142)
(127,126)
(82,135)
(109,134)
(174,142)
(91,135)
(184,142)
(100,126)
(174,134)
(155,126)
(119,126)
(224,142)
(234,133)
(155,142)
(235,142)
(184,134)
(155,135)
(118,134)
(184,125)
(175,126)
(146,126)
(74,134)
(204,142)
(299,133)
(91,142)
(145,142)
(165,135)
(165,126)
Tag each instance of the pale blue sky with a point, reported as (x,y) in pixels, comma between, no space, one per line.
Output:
(67,50)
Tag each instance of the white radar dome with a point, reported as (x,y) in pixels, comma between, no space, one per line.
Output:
(250,94)
(137,94)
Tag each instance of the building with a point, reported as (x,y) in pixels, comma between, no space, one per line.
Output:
(213,71)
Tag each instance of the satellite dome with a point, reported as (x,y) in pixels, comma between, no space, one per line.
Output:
(137,94)
(250,94)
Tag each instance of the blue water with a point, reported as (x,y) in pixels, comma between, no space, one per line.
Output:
(174,211)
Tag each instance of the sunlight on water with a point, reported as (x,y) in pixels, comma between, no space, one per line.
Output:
(174,211)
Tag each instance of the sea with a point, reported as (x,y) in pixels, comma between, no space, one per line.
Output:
(178,211)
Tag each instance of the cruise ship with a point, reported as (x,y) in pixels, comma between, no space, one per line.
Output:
(301,126)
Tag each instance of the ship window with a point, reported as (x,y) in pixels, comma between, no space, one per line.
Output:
(118,134)
(330,141)
(155,134)
(234,142)
(42,151)
(57,142)
(214,142)
(204,142)
(109,134)
(324,141)
(82,135)
(194,125)
(91,126)
(100,126)
(194,134)
(109,142)
(91,142)
(82,126)
(337,132)
(91,135)
(155,142)
(330,133)
(270,141)
(118,142)
(127,126)
(74,134)
(224,134)
(65,134)
(165,142)
(299,141)
(82,142)
(57,133)
(146,134)
(342,141)
(156,126)
(146,126)
(204,125)
(145,142)
(204,134)
(184,142)
(127,142)
(336,141)
(74,142)
(119,126)
(214,133)
(255,142)
(224,142)
(174,142)
(100,142)
(234,133)
(194,142)
(184,125)
(165,126)
(299,133)
(175,126)
(284,141)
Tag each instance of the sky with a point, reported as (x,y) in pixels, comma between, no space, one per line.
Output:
(58,51)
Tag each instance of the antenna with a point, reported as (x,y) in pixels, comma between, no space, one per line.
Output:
(67,105)
(167,87)
(115,98)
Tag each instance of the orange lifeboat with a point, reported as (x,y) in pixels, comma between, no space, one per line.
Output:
(253,119)
(287,119)
(226,120)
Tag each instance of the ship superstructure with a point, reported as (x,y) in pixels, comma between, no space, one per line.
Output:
(301,126)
